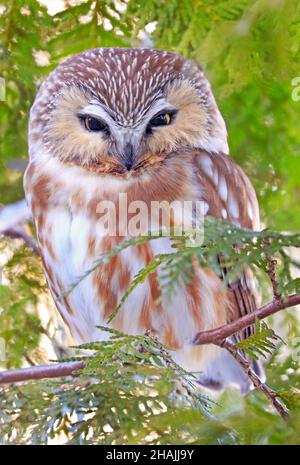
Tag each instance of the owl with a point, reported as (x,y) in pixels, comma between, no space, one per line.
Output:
(142,123)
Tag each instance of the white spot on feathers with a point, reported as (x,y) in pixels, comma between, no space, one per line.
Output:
(222,188)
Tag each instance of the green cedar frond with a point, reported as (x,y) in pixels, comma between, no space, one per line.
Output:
(261,342)
(291,399)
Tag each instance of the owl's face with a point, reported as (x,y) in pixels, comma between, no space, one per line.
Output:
(120,111)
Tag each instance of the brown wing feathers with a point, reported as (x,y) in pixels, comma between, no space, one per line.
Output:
(231,197)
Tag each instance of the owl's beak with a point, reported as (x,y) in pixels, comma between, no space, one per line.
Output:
(128,156)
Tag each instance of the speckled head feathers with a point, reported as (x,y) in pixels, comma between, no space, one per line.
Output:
(128,83)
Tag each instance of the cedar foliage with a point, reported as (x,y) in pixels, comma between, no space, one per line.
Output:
(131,391)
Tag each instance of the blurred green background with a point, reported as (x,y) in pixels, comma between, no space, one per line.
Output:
(250,51)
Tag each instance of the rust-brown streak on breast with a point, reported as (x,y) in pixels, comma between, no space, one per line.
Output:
(193,289)
(150,304)
(170,339)
(145,252)
(101,280)
(49,247)
(103,275)
(78,201)
(145,319)
(40,193)
(124,276)
(91,245)
(91,206)
(40,222)
(222,302)
(109,304)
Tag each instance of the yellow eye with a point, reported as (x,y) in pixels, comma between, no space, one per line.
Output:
(87,123)
(93,124)
(162,119)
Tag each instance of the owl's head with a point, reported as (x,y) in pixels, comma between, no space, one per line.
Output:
(118,110)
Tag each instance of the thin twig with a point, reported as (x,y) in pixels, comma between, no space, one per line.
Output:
(41,372)
(272,275)
(257,383)
(222,332)
(271,271)
(16,233)
(14,215)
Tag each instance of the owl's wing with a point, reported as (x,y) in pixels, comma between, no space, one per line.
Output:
(230,196)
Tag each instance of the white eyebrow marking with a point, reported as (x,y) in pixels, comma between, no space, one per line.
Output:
(96,110)
(158,105)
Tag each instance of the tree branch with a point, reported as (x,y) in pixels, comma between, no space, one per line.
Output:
(12,219)
(222,332)
(41,372)
(217,336)
(271,271)
(15,233)
(257,383)
(13,215)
